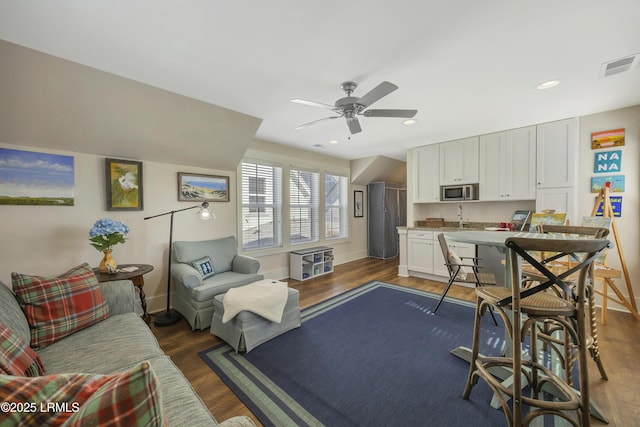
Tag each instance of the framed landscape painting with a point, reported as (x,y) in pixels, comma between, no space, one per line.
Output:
(124,185)
(193,187)
(33,178)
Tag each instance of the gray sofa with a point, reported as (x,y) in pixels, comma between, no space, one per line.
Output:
(114,345)
(194,296)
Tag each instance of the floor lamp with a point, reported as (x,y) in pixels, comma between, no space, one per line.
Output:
(170,317)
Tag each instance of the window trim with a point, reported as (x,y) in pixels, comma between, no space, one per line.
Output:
(286,166)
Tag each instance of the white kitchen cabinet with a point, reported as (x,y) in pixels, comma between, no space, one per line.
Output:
(420,251)
(557,154)
(507,168)
(560,199)
(426,174)
(462,249)
(459,161)
(557,167)
(424,254)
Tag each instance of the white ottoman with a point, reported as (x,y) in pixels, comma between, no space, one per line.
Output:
(247,330)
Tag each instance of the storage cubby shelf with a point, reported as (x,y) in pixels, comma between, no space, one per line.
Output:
(305,264)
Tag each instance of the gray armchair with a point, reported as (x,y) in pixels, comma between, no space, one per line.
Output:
(196,287)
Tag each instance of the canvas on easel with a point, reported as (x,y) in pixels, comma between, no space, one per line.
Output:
(600,222)
(546,218)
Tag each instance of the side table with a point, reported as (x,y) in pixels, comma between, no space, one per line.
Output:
(134,276)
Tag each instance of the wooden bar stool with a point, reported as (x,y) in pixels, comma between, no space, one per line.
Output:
(560,265)
(522,309)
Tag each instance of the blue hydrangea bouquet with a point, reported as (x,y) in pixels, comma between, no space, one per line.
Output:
(106,233)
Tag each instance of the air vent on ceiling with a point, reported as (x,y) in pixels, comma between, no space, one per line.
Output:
(619,65)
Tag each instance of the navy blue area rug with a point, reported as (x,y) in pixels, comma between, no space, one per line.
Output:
(374,356)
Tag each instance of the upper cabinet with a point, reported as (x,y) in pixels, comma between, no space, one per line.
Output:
(426,166)
(508,165)
(557,152)
(459,161)
(557,160)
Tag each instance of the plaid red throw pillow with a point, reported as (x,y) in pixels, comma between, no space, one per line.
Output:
(131,399)
(16,357)
(127,399)
(59,306)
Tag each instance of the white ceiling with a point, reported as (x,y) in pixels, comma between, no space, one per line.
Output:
(469,67)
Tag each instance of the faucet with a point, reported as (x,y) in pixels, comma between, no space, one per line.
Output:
(460,221)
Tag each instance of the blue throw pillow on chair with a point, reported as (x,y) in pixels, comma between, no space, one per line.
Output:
(204,267)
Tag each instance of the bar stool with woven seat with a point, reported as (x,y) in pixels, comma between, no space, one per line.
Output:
(592,338)
(522,309)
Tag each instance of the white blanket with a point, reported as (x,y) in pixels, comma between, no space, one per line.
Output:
(265,298)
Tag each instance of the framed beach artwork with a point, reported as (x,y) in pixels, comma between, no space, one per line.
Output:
(194,187)
(33,178)
(124,185)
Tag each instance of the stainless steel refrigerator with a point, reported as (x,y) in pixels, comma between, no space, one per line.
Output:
(387,204)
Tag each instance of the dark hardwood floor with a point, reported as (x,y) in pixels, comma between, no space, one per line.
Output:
(619,397)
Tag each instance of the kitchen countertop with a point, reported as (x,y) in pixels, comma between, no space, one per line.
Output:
(451,226)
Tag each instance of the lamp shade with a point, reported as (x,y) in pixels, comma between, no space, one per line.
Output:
(204,213)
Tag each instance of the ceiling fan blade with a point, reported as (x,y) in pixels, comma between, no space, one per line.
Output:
(354,125)
(390,113)
(317,121)
(312,103)
(382,90)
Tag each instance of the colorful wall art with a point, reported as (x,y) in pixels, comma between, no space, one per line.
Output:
(616,206)
(33,178)
(617,183)
(124,185)
(608,162)
(607,139)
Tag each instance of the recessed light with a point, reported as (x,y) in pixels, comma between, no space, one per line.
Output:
(409,122)
(549,84)
(333,141)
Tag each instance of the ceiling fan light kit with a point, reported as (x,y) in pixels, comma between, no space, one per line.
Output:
(350,107)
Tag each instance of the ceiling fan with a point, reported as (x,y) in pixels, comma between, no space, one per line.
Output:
(350,107)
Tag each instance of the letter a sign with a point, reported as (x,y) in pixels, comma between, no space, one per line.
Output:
(608,162)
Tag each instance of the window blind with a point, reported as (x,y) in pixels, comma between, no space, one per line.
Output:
(304,200)
(336,203)
(261,205)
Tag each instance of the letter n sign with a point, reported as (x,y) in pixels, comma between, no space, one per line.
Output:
(608,162)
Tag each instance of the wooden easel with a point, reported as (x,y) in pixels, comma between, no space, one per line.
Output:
(606,274)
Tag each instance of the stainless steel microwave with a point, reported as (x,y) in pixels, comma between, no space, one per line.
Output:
(459,192)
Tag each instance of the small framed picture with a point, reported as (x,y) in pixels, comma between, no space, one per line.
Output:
(124,185)
(193,187)
(358,208)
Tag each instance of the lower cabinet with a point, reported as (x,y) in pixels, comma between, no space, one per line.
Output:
(420,250)
(463,250)
(425,256)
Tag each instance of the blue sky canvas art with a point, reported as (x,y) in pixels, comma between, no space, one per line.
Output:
(33,178)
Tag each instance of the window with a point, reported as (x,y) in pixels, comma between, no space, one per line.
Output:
(261,206)
(304,188)
(275,216)
(336,206)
